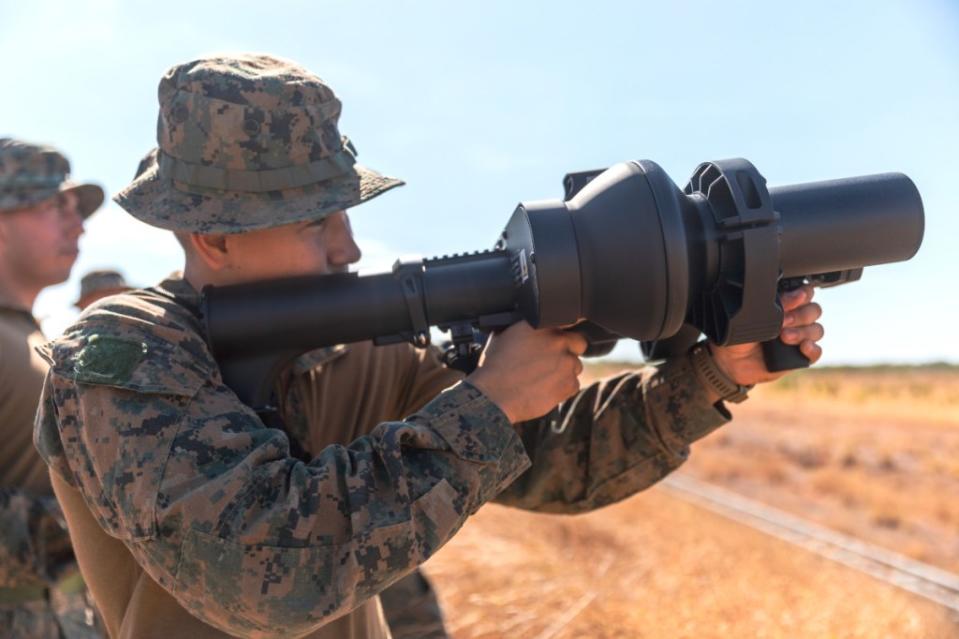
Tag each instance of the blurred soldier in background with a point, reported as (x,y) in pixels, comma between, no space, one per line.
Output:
(42,594)
(96,285)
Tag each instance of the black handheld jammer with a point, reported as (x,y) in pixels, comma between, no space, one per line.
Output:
(626,254)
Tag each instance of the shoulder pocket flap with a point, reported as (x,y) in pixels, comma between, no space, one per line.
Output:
(128,363)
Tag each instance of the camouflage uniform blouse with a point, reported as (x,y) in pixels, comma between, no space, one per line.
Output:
(254,542)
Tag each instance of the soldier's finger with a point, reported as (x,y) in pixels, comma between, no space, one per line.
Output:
(571,387)
(811,350)
(803,316)
(576,343)
(799,334)
(795,299)
(578,367)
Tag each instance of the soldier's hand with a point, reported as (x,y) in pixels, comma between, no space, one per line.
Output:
(527,372)
(744,362)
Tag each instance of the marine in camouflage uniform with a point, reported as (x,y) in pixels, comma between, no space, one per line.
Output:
(41,592)
(96,285)
(168,480)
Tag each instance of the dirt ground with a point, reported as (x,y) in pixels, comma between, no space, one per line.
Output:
(882,465)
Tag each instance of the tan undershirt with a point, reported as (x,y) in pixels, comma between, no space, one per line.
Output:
(22,372)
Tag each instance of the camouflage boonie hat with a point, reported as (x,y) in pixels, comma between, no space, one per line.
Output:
(102,283)
(244,143)
(30,174)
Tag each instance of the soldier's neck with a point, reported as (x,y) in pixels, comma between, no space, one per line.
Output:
(16,293)
(195,276)
(199,275)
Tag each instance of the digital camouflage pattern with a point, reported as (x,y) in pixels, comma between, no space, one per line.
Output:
(614,438)
(393,381)
(64,616)
(30,620)
(34,543)
(247,142)
(30,174)
(97,284)
(209,501)
(259,544)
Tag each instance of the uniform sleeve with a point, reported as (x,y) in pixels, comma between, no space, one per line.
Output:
(614,438)
(34,542)
(251,540)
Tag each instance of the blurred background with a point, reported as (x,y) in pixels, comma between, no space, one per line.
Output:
(480,106)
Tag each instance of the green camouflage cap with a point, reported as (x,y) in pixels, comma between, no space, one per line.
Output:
(247,142)
(100,283)
(30,174)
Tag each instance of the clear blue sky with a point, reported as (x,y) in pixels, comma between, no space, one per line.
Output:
(478,108)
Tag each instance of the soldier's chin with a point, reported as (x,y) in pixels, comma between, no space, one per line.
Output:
(61,273)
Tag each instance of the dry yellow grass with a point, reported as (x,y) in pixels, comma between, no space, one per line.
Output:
(872,453)
(926,392)
(656,568)
(867,456)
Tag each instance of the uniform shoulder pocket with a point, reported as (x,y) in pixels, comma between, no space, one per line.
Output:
(132,362)
(121,398)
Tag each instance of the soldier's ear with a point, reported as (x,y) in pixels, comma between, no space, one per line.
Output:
(212,249)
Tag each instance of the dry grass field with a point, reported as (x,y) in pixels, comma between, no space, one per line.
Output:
(870,452)
(873,453)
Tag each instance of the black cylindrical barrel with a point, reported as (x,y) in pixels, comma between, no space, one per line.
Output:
(837,225)
(303,313)
(464,288)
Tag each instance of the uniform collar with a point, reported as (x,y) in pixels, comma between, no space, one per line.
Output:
(8,304)
(8,307)
(176,287)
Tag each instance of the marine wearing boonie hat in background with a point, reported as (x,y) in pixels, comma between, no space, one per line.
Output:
(32,173)
(96,285)
(42,594)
